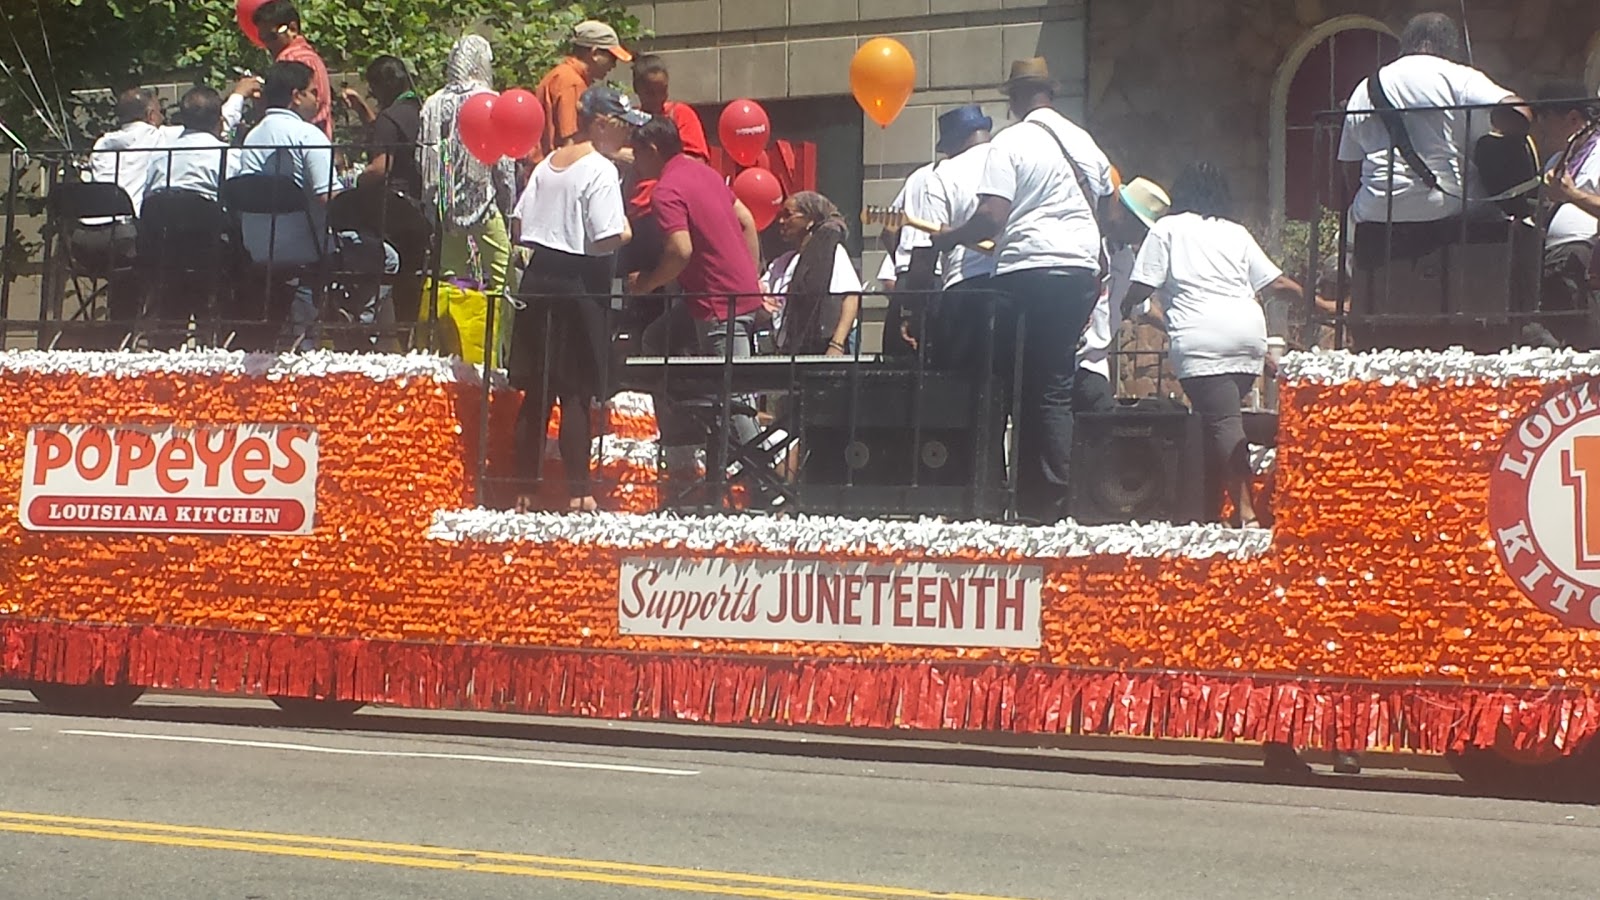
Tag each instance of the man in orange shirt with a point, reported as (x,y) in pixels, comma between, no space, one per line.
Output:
(594,51)
(650,83)
(279,24)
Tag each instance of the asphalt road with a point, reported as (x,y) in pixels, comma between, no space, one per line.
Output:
(187,798)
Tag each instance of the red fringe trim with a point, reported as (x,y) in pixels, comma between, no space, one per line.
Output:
(927,696)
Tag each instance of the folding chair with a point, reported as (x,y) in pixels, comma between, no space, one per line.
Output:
(186,248)
(267,210)
(94,229)
(378,211)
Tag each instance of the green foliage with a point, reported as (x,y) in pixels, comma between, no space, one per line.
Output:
(1295,256)
(96,44)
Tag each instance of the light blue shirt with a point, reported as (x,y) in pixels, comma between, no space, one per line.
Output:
(285,144)
(195,161)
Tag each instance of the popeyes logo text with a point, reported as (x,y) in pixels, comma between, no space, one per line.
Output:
(1544,505)
(229,479)
(937,604)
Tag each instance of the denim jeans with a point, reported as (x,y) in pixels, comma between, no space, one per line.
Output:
(679,333)
(360,293)
(1052,307)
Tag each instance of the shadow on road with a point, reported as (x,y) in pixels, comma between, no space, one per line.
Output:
(1222,763)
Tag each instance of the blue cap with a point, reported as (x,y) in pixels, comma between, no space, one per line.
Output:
(958,124)
(605,100)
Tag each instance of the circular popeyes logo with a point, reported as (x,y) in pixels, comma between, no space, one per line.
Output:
(1544,505)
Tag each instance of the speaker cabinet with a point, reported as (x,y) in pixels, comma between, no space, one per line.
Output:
(1141,463)
(1428,286)
(915,448)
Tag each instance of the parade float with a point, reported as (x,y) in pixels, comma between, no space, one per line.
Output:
(306,528)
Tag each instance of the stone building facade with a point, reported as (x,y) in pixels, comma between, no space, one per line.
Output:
(1172,81)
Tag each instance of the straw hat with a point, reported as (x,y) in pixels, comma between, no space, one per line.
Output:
(1030,73)
(1146,200)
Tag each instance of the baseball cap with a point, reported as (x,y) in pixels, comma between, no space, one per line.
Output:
(605,100)
(598,34)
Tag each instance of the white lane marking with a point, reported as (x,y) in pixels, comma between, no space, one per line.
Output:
(393,754)
(21,728)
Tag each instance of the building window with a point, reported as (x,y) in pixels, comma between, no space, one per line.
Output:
(1324,81)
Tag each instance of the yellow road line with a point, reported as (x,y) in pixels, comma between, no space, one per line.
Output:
(417,856)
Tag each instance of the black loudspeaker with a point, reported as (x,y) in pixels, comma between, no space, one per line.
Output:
(928,448)
(1140,463)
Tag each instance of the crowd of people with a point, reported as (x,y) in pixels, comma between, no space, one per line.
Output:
(1037,249)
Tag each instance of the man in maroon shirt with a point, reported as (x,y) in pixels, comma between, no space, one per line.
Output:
(279,24)
(710,250)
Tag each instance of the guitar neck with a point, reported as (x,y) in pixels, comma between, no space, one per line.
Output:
(895,218)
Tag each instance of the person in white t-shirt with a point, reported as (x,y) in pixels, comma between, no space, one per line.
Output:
(957,325)
(1139,204)
(572,217)
(1038,199)
(897,243)
(1564,111)
(1427,76)
(1210,270)
(813,291)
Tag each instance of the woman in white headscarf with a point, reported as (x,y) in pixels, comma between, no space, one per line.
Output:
(472,200)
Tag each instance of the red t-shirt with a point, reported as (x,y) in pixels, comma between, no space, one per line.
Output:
(690,131)
(692,197)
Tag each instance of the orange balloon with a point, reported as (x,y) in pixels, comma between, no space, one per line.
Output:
(882,76)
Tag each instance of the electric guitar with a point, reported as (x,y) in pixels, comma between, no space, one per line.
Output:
(889,217)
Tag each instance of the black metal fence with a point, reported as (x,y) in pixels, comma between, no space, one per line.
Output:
(236,258)
(1445,241)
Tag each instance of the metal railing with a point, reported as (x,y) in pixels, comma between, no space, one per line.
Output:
(756,429)
(215,259)
(1421,268)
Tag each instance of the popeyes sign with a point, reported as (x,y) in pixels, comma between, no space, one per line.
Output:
(926,603)
(227,479)
(1544,505)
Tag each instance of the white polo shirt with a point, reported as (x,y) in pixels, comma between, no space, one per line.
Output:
(1052,224)
(1094,354)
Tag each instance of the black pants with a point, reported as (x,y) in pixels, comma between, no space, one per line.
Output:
(559,353)
(1566,288)
(1049,307)
(1219,401)
(110,250)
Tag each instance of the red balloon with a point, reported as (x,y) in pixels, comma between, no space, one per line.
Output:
(475,125)
(744,130)
(761,193)
(518,122)
(246,10)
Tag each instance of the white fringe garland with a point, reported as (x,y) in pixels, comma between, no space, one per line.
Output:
(828,534)
(1414,367)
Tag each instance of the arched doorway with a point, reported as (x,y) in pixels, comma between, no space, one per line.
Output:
(1591,70)
(1317,75)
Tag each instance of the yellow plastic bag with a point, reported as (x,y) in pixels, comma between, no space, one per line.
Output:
(463,315)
